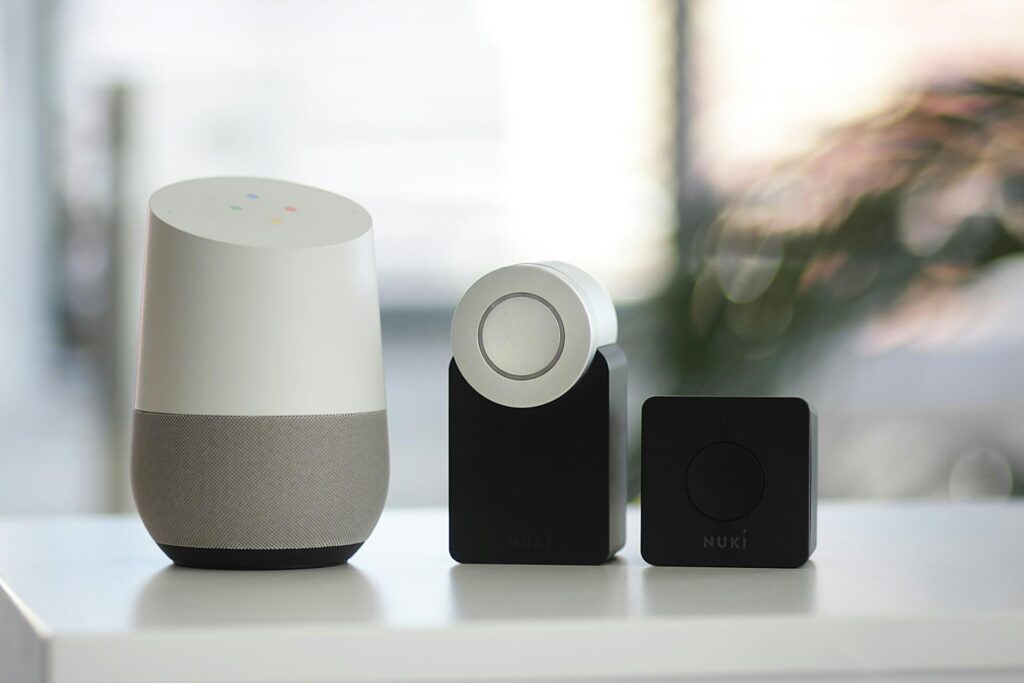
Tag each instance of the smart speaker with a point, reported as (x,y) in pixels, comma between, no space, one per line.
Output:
(728,481)
(259,434)
(537,420)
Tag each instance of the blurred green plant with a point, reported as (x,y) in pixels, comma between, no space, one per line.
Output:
(925,195)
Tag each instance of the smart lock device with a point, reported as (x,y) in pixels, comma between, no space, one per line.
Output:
(537,420)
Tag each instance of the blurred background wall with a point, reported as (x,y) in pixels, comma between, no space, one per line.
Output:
(819,198)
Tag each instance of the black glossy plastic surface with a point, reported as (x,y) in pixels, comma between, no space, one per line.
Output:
(724,481)
(728,482)
(542,485)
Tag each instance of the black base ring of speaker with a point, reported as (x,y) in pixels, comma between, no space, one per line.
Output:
(228,558)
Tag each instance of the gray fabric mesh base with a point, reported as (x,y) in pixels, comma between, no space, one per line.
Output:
(259,482)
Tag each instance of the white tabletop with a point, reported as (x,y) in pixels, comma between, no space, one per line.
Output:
(892,588)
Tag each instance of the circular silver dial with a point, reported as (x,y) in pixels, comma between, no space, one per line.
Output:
(523,335)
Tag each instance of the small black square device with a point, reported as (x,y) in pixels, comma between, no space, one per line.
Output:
(728,482)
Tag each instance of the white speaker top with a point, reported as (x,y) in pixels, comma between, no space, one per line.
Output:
(259,212)
(524,335)
(259,298)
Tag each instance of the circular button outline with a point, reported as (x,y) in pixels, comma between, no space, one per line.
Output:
(753,457)
(483,348)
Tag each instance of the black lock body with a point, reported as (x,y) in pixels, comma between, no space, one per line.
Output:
(540,485)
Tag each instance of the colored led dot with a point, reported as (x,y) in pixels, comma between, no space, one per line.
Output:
(275,220)
(250,195)
(236,207)
(290,208)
